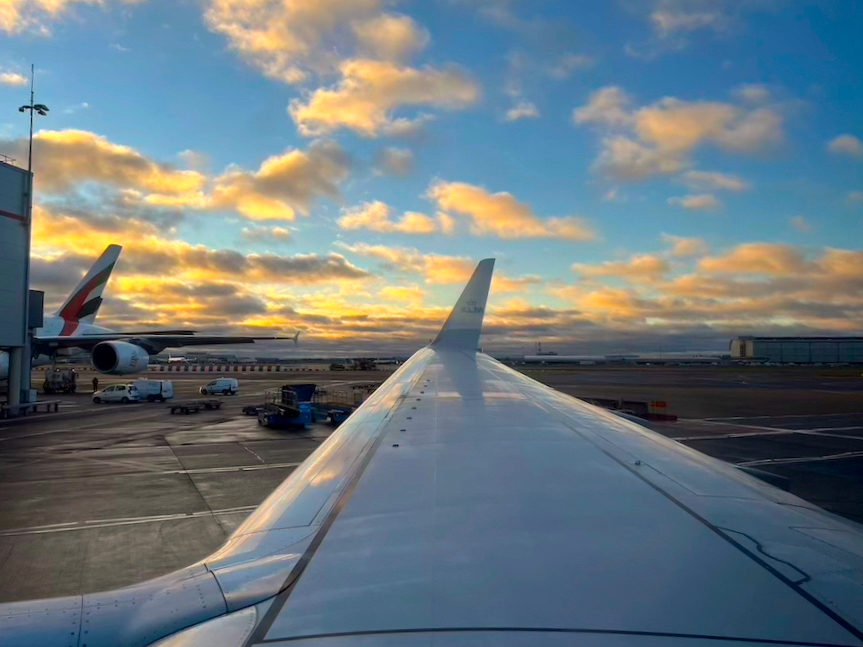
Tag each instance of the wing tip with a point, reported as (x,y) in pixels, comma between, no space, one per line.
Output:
(462,328)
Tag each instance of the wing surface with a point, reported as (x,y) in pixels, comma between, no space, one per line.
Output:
(465,504)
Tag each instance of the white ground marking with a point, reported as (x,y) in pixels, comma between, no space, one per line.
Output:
(125,521)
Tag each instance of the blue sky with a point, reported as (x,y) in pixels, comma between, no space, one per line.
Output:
(616,157)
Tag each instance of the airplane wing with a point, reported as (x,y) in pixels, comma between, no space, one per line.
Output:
(152,342)
(465,504)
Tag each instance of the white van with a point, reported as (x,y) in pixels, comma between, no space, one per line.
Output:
(223,385)
(153,390)
(117,393)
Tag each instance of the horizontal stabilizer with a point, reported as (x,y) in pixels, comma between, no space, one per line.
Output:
(464,324)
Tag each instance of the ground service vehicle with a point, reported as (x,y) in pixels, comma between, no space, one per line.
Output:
(223,385)
(123,393)
(155,390)
(60,380)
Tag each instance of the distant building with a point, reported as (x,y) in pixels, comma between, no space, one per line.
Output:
(799,350)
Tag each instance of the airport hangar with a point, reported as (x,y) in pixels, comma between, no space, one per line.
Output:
(799,350)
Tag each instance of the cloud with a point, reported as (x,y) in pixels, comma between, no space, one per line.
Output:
(436,269)
(195,160)
(801,224)
(164,281)
(370,91)
(287,40)
(69,161)
(757,258)
(266,234)
(754,288)
(660,138)
(501,215)
(567,64)
(685,247)
(412,294)
(64,158)
(699,202)
(712,181)
(284,183)
(391,37)
(377,216)
(753,93)
(503,283)
(148,252)
(855,197)
(609,106)
(12,78)
(524,110)
(846,145)
(627,160)
(296,41)
(639,268)
(675,125)
(396,161)
(17,16)
(674,22)
(671,17)
(304,267)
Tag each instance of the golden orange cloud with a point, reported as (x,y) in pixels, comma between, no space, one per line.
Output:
(757,258)
(371,90)
(437,269)
(390,37)
(65,158)
(377,216)
(500,214)
(412,294)
(287,39)
(697,202)
(682,247)
(658,139)
(639,268)
(284,185)
(166,282)
(34,15)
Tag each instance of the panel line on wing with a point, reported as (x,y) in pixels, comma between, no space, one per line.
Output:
(833,615)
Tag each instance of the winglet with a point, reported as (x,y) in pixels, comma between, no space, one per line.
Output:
(464,324)
(297,338)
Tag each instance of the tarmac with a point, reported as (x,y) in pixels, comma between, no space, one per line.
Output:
(100,496)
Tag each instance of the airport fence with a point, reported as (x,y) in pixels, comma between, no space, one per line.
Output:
(230,368)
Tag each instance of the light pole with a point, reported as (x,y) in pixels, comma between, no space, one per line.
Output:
(41,109)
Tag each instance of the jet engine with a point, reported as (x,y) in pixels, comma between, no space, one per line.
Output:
(119,358)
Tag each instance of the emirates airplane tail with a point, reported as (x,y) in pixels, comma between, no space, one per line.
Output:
(83,303)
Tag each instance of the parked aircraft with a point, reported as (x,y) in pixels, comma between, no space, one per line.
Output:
(464,504)
(72,328)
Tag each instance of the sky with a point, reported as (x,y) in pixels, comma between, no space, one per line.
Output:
(649,174)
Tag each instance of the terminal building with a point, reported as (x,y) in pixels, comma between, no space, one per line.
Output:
(799,350)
